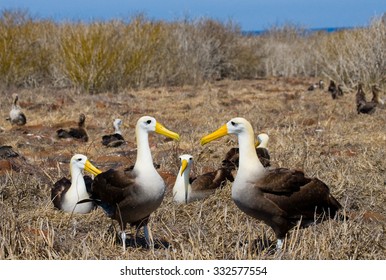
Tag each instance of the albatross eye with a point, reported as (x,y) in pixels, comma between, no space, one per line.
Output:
(148,121)
(233,123)
(79,159)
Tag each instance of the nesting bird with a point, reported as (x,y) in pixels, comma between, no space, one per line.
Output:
(66,194)
(321,84)
(363,106)
(187,189)
(232,155)
(280,197)
(16,116)
(132,195)
(314,86)
(336,91)
(77,133)
(116,139)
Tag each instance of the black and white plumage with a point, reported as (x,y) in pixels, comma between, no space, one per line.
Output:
(116,139)
(66,193)
(187,189)
(79,132)
(16,116)
(281,197)
(132,195)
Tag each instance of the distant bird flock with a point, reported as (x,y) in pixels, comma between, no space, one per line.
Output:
(280,197)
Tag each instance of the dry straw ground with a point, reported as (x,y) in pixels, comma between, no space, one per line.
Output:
(308,130)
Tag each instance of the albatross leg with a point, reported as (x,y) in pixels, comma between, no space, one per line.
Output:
(123,237)
(148,236)
(279,245)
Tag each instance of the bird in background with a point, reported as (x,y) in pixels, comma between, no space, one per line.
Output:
(116,139)
(336,91)
(16,116)
(76,133)
(191,188)
(363,106)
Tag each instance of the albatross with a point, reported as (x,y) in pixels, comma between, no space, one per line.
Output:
(363,106)
(77,133)
(66,194)
(132,195)
(115,139)
(16,116)
(187,189)
(280,197)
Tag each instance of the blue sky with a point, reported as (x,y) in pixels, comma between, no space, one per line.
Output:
(249,14)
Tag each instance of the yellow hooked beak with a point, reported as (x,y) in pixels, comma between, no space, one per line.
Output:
(159,128)
(257,143)
(184,164)
(222,131)
(91,168)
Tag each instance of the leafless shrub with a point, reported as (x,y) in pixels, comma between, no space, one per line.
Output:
(25,49)
(355,55)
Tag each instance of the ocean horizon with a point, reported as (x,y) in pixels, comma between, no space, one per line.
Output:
(307,31)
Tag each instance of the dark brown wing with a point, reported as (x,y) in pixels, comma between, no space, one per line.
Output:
(113,140)
(232,157)
(284,197)
(118,195)
(282,181)
(78,133)
(298,195)
(366,107)
(62,133)
(58,190)
(7,152)
(211,180)
(113,186)
(264,156)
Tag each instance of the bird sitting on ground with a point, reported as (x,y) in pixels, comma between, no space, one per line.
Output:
(77,133)
(16,116)
(336,91)
(281,197)
(321,84)
(66,194)
(115,139)
(187,189)
(363,106)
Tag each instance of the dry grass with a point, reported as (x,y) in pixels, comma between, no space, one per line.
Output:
(308,130)
(139,52)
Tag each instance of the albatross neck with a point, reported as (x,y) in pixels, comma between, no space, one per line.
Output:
(144,159)
(117,130)
(249,163)
(78,185)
